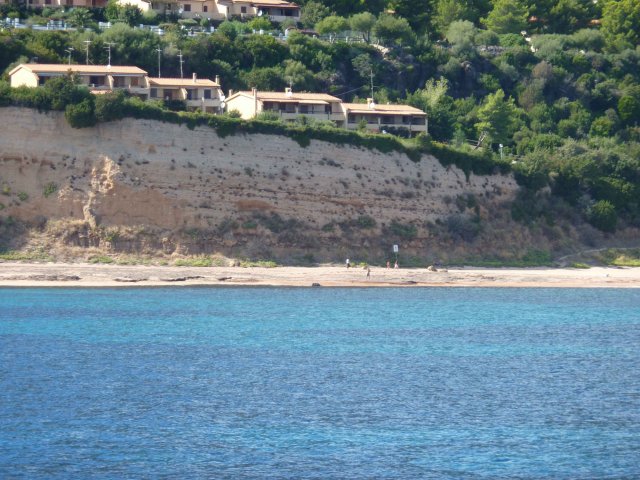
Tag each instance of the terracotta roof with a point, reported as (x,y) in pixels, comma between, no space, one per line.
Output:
(83,69)
(182,82)
(295,97)
(383,109)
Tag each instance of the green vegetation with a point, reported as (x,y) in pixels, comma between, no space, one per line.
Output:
(38,255)
(553,86)
(201,261)
(101,259)
(49,189)
(258,263)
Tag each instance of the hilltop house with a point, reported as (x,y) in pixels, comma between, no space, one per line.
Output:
(287,105)
(98,78)
(384,117)
(198,94)
(64,3)
(274,10)
(320,106)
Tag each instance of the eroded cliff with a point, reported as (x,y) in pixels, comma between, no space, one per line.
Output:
(149,187)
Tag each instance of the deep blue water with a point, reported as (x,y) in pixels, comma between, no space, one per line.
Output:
(320,383)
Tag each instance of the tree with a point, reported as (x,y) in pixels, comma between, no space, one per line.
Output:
(259,23)
(363,23)
(392,29)
(433,99)
(312,13)
(621,23)
(499,117)
(461,34)
(448,11)
(332,25)
(507,16)
(629,107)
(80,17)
(567,15)
(416,12)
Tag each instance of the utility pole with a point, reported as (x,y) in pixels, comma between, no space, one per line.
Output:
(108,48)
(181,62)
(69,50)
(87,43)
(159,50)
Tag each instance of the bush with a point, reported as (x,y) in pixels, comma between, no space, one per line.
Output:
(405,232)
(81,115)
(49,189)
(602,215)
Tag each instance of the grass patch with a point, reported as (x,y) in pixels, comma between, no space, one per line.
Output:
(258,263)
(101,259)
(28,256)
(49,189)
(579,265)
(194,262)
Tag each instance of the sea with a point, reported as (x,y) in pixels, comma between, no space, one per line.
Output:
(319,383)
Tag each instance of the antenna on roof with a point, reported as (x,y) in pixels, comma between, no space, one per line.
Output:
(87,43)
(371,76)
(108,47)
(69,50)
(181,62)
(159,50)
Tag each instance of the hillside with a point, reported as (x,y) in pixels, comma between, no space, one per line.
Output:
(146,188)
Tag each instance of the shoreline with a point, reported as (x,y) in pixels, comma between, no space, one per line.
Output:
(84,275)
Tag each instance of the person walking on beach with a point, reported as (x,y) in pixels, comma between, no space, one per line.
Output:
(368,272)
(395,265)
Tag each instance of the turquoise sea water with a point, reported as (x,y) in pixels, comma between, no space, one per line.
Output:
(320,383)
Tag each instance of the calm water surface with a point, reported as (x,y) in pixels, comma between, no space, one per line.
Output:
(320,383)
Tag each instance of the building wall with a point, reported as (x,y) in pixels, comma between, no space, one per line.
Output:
(245,105)
(24,77)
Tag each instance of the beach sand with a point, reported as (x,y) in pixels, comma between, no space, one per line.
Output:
(90,275)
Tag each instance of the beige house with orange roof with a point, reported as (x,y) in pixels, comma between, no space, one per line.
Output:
(64,3)
(274,10)
(287,105)
(384,117)
(198,94)
(99,78)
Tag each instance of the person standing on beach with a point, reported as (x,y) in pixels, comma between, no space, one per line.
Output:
(395,265)
(388,264)
(368,272)
(348,264)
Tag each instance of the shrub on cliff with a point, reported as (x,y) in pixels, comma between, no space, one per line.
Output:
(81,115)
(602,215)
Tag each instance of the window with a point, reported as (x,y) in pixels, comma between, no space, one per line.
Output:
(187,7)
(96,81)
(168,94)
(192,94)
(205,9)
(47,2)
(243,9)
(154,93)
(207,94)
(327,109)
(352,119)
(304,108)
(134,81)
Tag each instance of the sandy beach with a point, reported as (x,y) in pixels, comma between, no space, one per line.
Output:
(90,275)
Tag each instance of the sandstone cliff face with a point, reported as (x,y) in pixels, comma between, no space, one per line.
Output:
(257,194)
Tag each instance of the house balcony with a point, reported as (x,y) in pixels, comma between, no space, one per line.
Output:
(282,18)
